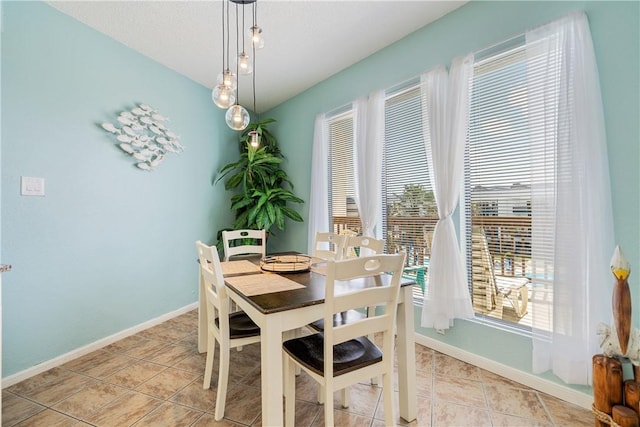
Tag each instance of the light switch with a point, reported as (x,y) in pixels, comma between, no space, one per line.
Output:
(31,186)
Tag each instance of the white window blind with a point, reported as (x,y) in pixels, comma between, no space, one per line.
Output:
(506,163)
(410,211)
(342,209)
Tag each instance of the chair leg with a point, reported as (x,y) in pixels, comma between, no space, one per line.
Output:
(345,397)
(297,333)
(344,394)
(208,370)
(524,297)
(223,382)
(387,399)
(289,391)
(371,311)
(291,334)
(328,404)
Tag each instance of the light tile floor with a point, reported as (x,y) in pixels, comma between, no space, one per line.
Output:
(154,378)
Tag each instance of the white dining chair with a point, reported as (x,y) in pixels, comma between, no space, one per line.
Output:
(352,248)
(236,242)
(329,246)
(349,243)
(343,355)
(230,330)
(354,245)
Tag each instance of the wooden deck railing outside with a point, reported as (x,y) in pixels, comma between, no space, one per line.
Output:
(509,238)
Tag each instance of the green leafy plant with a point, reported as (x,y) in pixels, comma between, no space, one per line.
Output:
(264,193)
(415,200)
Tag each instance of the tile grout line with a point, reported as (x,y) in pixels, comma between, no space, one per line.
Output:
(486,398)
(546,410)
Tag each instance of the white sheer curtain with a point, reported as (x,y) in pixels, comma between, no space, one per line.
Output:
(580,200)
(368,146)
(319,191)
(447,115)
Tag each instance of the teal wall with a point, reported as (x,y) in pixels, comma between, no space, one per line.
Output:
(476,25)
(110,246)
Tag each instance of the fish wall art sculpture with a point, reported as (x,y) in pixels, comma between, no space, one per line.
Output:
(142,133)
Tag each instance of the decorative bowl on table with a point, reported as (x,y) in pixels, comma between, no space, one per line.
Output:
(293,263)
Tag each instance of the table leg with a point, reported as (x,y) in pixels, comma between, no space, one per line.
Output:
(406,356)
(202,316)
(271,365)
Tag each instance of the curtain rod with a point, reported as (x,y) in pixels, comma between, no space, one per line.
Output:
(338,110)
(398,87)
(499,45)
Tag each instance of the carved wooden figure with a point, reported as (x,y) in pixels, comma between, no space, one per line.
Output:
(621,301)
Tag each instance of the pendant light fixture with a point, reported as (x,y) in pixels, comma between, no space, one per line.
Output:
(255,33)
(224,93)
(237,117)
(254,136)
(244,60)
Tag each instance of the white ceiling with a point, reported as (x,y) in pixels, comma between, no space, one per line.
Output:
(306,41)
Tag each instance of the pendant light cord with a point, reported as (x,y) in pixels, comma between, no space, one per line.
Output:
(223,44)
(243,28)
(237,57)
(227,2)
(253,51)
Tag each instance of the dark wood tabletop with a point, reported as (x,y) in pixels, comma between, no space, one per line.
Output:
(313,292)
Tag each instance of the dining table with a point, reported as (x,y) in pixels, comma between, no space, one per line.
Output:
(282,302)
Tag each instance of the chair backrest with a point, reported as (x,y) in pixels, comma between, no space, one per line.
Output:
(382,292)
(244,242)
(329,246)
(484,287)
(353,246)
(480,244)
(215,290)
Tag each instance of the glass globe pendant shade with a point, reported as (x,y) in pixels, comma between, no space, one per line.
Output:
(244,64)
(255,33)
(254,139)
(228,79)
(223,97)
(237,117)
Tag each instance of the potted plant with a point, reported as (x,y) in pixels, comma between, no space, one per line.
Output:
(264,192)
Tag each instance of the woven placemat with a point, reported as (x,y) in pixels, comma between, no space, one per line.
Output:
(238,267)
(258,284)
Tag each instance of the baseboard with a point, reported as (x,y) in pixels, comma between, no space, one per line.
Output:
(530,380)
(60,360)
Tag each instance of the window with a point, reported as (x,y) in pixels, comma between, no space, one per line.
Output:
(409,211)
(342,206)
(500,172)
(409,207)
(506,161)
